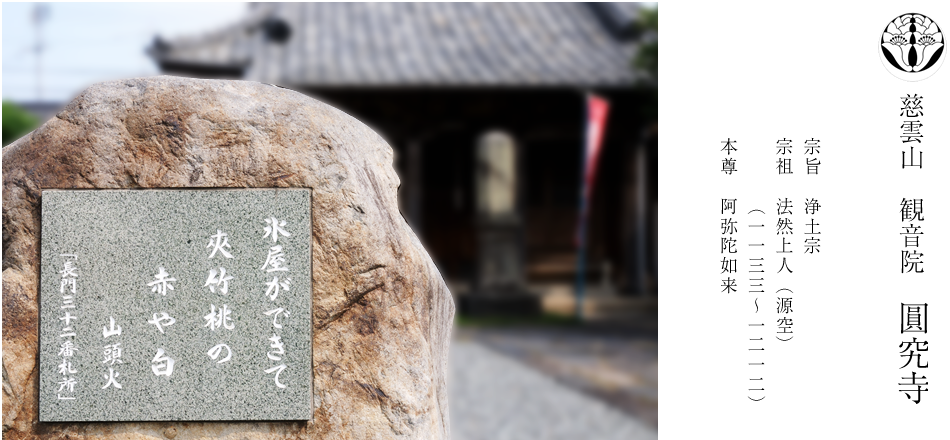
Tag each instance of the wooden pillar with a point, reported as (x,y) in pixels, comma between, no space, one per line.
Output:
(637,222)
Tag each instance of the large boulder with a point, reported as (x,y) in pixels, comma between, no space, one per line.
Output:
(382,314)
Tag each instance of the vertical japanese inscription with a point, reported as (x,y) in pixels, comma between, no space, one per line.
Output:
(914,320)
(172,305)
(760,271)
(275,263)
(67,287)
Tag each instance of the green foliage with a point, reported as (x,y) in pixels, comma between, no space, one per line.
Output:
(648,55)
(647,60)
(16,122)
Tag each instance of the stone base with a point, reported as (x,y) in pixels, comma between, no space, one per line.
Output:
(511,304)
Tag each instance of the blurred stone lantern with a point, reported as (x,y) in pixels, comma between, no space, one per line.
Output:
(499,280)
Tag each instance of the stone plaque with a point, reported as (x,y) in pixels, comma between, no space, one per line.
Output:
(175,305)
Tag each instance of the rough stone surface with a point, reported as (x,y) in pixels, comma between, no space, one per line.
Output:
(381,311)
(117,243)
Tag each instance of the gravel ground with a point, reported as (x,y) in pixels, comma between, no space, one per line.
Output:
(615,365)
(492,397)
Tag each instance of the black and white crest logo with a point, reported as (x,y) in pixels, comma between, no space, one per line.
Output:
(912,47)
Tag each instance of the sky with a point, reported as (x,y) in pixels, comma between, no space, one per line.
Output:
(85,43)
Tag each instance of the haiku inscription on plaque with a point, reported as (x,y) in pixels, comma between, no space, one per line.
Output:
(175,305)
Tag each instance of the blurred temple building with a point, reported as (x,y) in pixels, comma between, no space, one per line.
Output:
(485,106)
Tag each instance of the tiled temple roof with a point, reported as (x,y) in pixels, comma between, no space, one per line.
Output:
(418,44)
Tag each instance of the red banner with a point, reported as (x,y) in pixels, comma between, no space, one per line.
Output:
(597,109)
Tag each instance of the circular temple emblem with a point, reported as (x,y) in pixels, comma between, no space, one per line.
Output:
(912,47)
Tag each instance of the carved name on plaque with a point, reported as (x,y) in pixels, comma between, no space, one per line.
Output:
(175,305)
